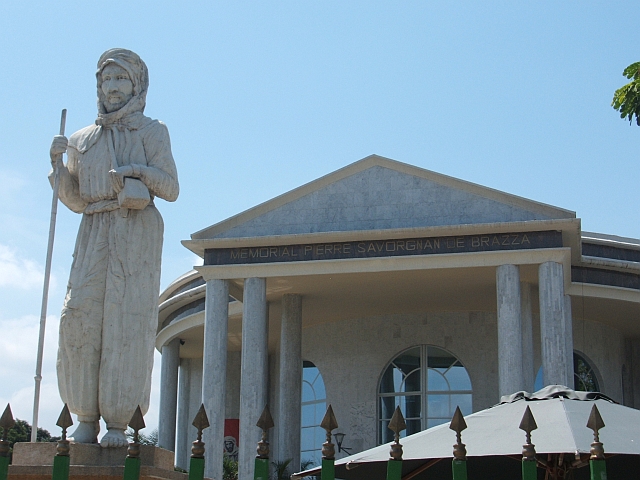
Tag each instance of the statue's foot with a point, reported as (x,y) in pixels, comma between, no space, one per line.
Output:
(87,432)
(114,437)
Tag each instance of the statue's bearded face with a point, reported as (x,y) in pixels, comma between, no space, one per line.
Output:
(116,86)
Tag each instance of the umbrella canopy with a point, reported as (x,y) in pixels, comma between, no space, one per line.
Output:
(560,413)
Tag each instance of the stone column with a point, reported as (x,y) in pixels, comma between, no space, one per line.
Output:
(528,372)
(183,452)
(254,372)
(510,378)
(214,372)
(568,337)
(552,324)
(290,407)
(631,373)
(169,395)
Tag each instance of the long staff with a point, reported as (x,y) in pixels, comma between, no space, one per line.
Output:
(45,289)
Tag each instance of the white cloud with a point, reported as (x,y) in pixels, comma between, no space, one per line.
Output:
(18,272)
(196,260)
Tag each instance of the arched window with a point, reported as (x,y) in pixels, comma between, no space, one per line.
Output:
(314,406)
(584,376)
(427,383)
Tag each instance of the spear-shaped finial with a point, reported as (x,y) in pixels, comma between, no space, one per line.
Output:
(64,422)
(329,423)
(137,424)
(528,424)
(265,422)
(201,421)
(6,422)
(397,425)
(458,425)
(595,423)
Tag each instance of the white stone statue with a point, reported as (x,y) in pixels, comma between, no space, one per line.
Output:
(115,168)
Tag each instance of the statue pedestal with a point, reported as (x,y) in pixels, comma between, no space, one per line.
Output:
(34,461)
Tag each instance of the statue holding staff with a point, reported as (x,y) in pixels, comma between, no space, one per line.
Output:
(115,168)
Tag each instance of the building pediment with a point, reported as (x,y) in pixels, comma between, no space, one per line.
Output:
(377,193)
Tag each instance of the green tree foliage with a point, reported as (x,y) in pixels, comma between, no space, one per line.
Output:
(21,432)
(281,469)
(143,438)
(627,99)
(229,469)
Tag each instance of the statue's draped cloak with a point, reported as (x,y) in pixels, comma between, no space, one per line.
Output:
(108,322)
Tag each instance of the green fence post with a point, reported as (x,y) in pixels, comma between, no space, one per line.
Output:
(394,465)
(529,463)
(62,460)
(132,462)
(131,465)
(196,464)
(596,461)
(261,468)
(6,422)
(459,462)
(329,423)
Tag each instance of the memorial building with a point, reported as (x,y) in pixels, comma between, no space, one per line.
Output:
(384,284)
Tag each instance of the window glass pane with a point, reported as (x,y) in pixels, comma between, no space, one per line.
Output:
(387,383)
(458,378)
(313,410)
(410,406)
(318,386)
(584,376)
(463,401)
(434,422)
(309,460)
(320,435)
(412,382)
(308,394)
(321,409)
(309,374)
(386,435)
(413,426)
(436,381)
(308,415)
(387,407)
(408,361)
(438,358)
(537,384)
(438,406)
(307,438)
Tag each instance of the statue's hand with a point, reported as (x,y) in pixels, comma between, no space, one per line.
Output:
(117,176)
(58,147)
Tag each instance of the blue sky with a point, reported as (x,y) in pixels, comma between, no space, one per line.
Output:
(261,97)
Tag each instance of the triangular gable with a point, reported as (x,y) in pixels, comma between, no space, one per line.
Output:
(378,193)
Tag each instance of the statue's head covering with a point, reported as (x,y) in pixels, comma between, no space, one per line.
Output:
(139,76)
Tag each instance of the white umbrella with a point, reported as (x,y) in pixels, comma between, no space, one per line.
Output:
(560,413)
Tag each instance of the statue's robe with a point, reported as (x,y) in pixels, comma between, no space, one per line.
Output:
(109,319)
